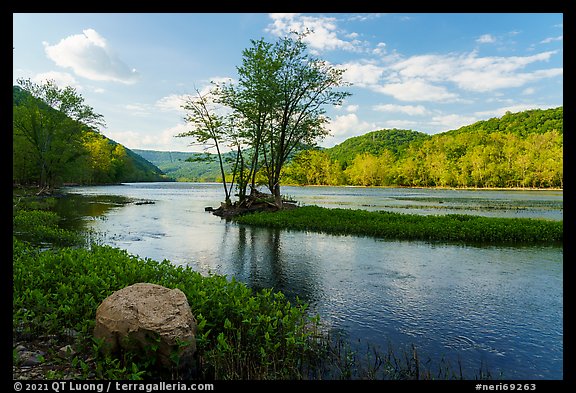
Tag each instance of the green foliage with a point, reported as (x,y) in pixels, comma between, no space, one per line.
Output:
(312,167)
(39,227)
(519,150)
(374,143)
(453,227)
(241,334)
(55,141)
(48,122)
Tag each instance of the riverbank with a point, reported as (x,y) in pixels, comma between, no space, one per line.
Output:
(433,187)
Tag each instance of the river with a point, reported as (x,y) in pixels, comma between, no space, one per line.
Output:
(472,306)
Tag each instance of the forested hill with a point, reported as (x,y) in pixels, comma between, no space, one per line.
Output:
(394,140)
(523,149)
(534,121)
(68,152)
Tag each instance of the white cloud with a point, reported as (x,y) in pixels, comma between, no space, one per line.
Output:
(453,121)
(362,75)
(528,91)
(172,102)
(412,110)
(365,17)
(488,80)
(380,49)
(352,108)
(552,39)
(429,77)
(346,126)
(324,33)
(467,71)
(401,124)
(499,112)
(89,56)
(486,39)
(163,140)
(138,109)
(62,79)
(416,90)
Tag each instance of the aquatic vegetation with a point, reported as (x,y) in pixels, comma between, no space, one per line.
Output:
(41,226)
(381,224)
(242,334)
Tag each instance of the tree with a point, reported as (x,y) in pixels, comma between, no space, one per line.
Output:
(313,167)
(51,119)
(208,128)
(279,101)
(304,86)
(253,100)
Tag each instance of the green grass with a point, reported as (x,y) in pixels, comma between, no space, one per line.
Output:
(451,228)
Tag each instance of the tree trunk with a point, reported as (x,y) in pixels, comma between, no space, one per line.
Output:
(277,196)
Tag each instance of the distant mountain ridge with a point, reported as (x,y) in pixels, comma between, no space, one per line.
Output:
(175,166)
(397,141)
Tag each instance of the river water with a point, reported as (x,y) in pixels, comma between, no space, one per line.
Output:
(499,308)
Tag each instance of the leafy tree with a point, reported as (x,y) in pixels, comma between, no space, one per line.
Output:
(253,99)
(208,128)
(302,86)
(279,106)
(313,167)
(50,120)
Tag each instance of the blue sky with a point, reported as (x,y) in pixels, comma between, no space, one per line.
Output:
(429,72)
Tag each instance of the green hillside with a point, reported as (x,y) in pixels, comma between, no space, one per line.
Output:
(183,166)
(523,149)
(375,142)
(73,152)
(534,121)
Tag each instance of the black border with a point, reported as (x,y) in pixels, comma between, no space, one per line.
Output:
(548,6)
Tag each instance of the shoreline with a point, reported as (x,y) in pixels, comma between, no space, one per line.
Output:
(328,185)
(398,186)
(433,187)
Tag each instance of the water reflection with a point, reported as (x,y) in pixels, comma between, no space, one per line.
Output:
(501,306)
(265,259)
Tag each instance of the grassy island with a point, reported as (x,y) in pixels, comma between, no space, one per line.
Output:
(381,224)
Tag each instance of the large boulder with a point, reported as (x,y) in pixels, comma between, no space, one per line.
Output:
(149,318)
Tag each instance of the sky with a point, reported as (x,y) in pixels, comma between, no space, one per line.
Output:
(427,72)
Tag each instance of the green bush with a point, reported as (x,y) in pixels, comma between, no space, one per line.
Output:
(241,334)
